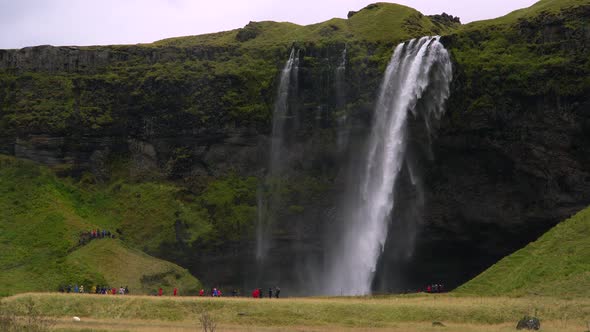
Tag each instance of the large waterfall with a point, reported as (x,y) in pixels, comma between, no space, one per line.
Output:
(267,199)
(419,73)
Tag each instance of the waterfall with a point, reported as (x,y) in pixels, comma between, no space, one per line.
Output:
(418,73)
(340,86)
(267,198)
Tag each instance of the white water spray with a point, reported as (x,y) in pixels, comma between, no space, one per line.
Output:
(277,154)
(415,67)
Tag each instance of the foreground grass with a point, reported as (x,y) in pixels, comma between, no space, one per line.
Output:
(324,313)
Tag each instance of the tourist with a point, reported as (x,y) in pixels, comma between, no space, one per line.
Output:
(126,290)
(76,289)
(175,291)
(81,288)
(270,292)
(160,292)
(277,291)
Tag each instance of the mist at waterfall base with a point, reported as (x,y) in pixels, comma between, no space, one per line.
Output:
(380,208)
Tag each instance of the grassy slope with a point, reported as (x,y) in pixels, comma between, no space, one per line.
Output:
(41,217)
(120,265)
(557,264)
(547,6)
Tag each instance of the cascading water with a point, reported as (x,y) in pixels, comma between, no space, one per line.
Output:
(267,199)
(419,73)
(342,138)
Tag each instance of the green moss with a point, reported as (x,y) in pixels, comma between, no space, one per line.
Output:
(42,217)
(231,204)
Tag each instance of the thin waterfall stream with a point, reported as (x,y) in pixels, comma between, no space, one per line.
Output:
(267,198)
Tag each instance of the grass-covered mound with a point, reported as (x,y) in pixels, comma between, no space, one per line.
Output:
(557,264)
(42,216)
(379,22)
(120,265)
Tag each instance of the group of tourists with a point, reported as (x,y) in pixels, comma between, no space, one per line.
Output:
(86,237)
(214,292)
(435,288)
(257,293)
(160,292)
(94,289)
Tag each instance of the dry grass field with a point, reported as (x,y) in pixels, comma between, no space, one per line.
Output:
(391,313)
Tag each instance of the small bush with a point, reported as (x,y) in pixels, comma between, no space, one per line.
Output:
(208,324)
(32,321)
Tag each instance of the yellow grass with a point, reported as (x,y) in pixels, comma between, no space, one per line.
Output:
(394,313)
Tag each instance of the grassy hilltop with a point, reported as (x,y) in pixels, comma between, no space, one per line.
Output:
(377,23)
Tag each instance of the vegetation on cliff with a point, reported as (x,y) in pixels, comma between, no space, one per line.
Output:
(536,52)
(42,217)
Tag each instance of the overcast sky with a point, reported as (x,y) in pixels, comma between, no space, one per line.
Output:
(98,22)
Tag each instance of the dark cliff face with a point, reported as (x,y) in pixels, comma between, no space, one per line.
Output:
(510,159)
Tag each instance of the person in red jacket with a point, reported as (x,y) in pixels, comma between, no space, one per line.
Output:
(202,292)
(175,291)
(160,292)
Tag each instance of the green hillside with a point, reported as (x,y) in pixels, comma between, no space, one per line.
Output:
(542,7)
(42,216)
(557,264)
(379,22)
